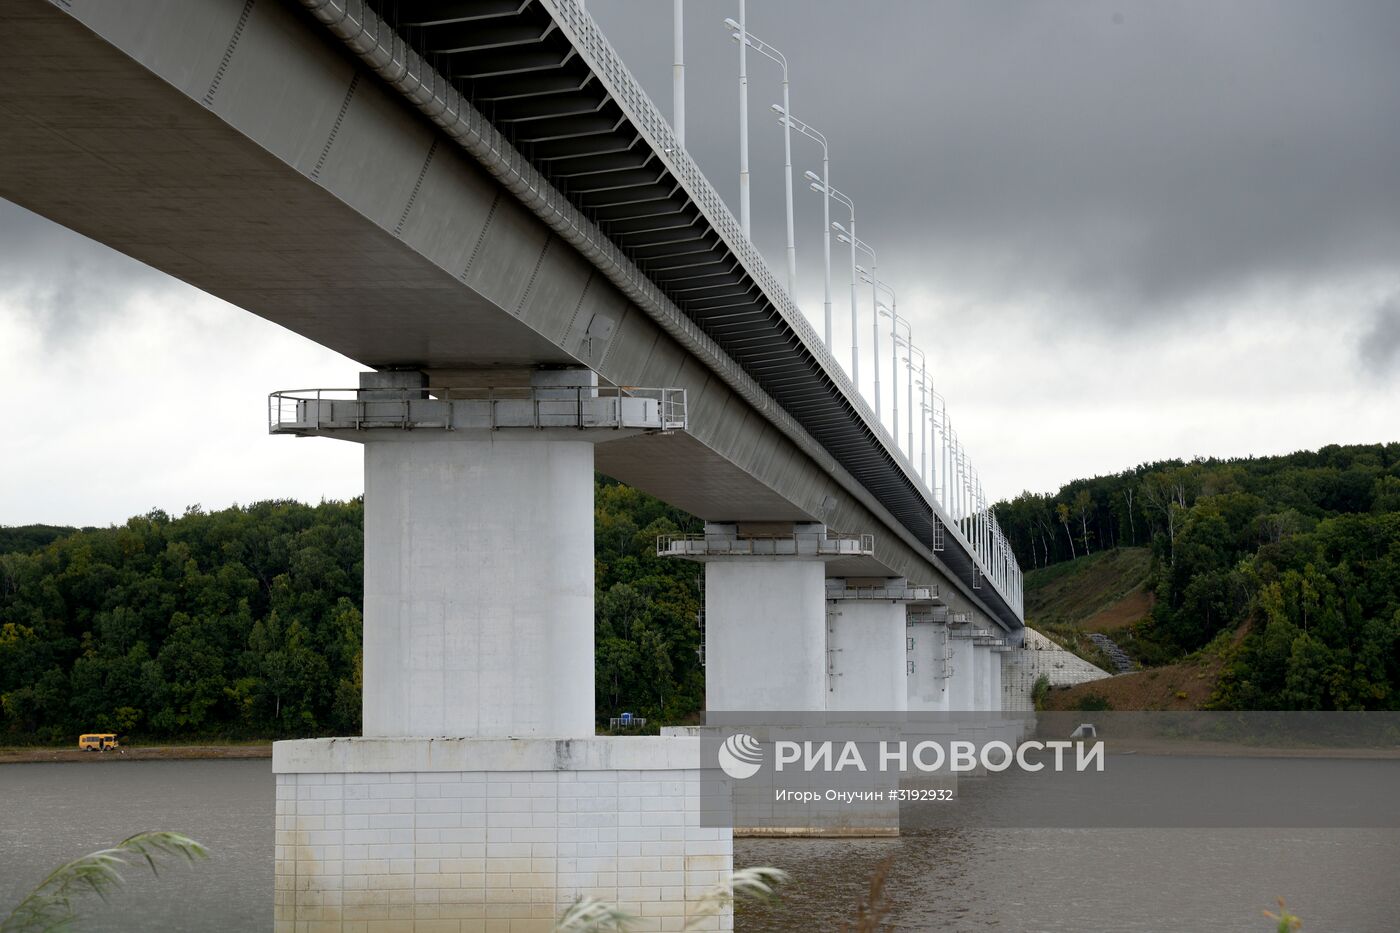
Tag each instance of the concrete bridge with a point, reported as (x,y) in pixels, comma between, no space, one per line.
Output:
(475,199)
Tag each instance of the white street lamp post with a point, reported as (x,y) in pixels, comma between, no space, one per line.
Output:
(954,481)
(895,321)
(982,526)
(909,394)
(970,475)
(743,126)
(678,71)
(822,185)
(790,122)
(864,247)
(964,500)
(938,420)
(950,469)
(767,51)
(983,523)
(831,192)
(968,511)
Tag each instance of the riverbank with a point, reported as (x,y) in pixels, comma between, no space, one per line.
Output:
(32,755)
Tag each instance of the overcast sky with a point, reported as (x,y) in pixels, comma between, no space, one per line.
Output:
(1122,231)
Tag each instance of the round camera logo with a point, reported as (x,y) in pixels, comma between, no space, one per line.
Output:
(740,756)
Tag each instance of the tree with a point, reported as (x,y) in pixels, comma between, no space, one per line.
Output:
(1083,506)
(1132,526)
(1044,524)
(1062,511)
(1166,492)
(1386,496)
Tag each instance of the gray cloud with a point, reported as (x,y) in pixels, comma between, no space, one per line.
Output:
(64,281)
(1050,179)
(1380,347)
(1128,158)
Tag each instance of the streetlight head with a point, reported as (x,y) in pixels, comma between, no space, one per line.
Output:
(731,24)
(862,270)
(810,176)
(836,225)
(817,187)
(778,109)
(843,238)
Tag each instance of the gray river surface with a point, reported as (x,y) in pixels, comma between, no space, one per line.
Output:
(1181,880)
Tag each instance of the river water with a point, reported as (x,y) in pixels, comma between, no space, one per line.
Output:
(958,880)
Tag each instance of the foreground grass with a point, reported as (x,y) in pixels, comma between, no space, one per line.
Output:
(53,905)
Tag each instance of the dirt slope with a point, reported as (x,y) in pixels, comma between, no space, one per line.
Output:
(1102,591)
(1187,685)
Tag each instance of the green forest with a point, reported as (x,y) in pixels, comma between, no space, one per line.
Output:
(1288,565)
(244,623)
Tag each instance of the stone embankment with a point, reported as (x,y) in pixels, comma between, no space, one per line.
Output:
(1117,655)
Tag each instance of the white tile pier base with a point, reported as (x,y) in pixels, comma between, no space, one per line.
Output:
(380,834)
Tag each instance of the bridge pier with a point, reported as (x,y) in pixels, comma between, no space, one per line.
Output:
(764,636)
(479,792)
(867,652)
(781,638)
(930,660)
(963,670)
(990,723)
(765,611)
(994,656)
(478,608)
(981,676)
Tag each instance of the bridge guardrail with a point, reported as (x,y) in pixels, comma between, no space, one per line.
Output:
(303,411)
(797,544)
(914,592)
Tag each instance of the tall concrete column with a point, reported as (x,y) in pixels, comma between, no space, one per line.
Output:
(994,696)
(765,635)
(765,611)
(866,644)
(930,664)
(982,675)
(961,684)
(478,612)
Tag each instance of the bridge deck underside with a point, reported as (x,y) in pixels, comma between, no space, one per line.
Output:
(120,156)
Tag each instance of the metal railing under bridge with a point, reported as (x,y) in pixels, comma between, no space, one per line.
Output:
(302,411)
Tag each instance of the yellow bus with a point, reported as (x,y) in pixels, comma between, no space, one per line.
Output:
(97,741)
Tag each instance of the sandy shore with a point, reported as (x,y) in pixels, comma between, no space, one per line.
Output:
(137,753)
